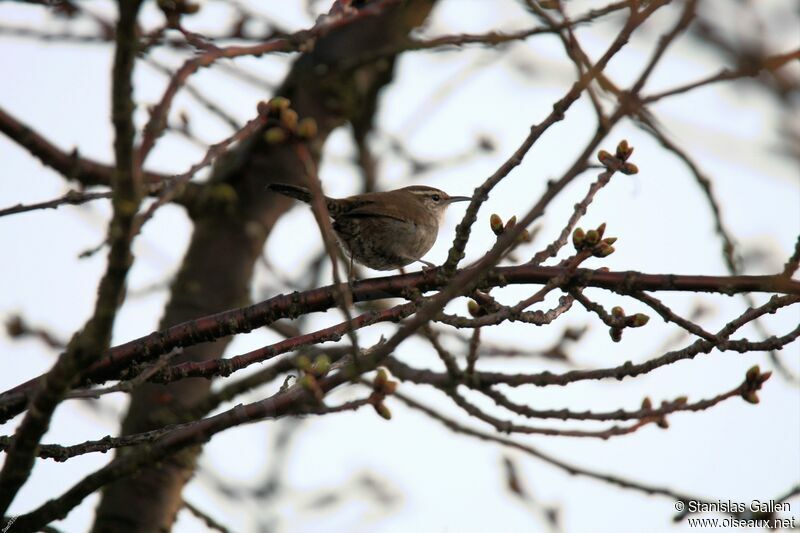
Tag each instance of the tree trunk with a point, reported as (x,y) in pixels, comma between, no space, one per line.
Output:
(229,237)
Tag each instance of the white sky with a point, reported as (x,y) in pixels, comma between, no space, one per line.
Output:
(444,482)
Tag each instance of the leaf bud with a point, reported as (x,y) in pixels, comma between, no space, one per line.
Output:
(578,238)
(289,119)
(321,366)
(624,150)
(603,250)
(605,158)
(496,223)
(279,103)
(307,128)
(638,320)
(382,410)
(275,136)
(751,397)
(629,169)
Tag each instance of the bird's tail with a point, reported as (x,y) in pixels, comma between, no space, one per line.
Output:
(293,191)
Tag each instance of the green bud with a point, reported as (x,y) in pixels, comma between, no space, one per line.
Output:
(382,410)
(289,119)
(302,362)
(308,382)
(279,103)
(321,366)
(603,250)
(275,136)
(578,238)
(381,377)
(496,223)
(307,128)
(592,237)
(474,309)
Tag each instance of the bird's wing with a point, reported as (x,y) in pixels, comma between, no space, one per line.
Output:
(372,209)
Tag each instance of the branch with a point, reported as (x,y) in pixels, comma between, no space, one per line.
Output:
(226,367)
(70,165)
(561,465)
(246,319)
(492,38)
(646,412)
(176,183)
(456,252)
(769,64)
(180,437)
(71,198)
(299,41)
(95,337)
(628,369)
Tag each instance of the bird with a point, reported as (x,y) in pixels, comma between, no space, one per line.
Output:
(384,230)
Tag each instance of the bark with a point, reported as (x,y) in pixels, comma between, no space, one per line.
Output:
(228,239)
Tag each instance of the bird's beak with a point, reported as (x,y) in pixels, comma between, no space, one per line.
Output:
(458,199)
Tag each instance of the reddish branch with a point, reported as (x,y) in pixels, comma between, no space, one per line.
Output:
(246,319)
(227,366)
(300,41)
(666,407)
(753,382)
(290,401)
(721,342)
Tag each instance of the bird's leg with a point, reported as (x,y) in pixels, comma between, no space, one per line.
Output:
(427,265)
(350,275)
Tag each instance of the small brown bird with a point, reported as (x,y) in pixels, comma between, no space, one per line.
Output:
(384,230)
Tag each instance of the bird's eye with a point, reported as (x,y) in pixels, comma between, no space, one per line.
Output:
(436,197)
